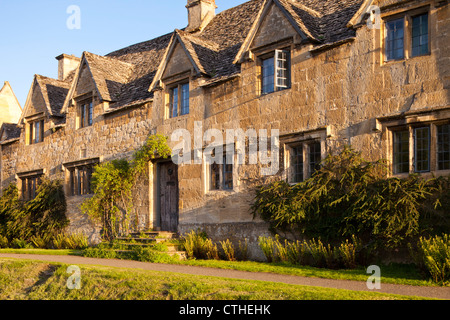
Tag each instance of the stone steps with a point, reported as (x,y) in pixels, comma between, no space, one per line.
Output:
(147,239)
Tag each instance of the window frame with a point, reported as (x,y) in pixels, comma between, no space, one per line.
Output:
(308,165)
(217,173)
(407,18)
(398,144)
(36,131)
(439,152)
(412,33)
(275,56)
(79,177)
(29,184)
(418,150)
(386,30)
(180,99)
(85,113)
(431,150)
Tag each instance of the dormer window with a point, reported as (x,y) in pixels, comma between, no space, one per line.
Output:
(275,71)
(86,110)
(179,100)
(35,131)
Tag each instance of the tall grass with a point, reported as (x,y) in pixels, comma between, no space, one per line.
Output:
(313,252)
(433,256)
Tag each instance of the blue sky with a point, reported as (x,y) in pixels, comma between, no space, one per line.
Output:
(34,32)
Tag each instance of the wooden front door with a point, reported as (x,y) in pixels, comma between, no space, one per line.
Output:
(169,196)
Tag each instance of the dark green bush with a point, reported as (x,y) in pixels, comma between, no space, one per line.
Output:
(36,220)
(350,195)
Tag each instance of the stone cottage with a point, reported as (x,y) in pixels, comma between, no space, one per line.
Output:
(323,74)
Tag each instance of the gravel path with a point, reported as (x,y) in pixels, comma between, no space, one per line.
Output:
(428,292)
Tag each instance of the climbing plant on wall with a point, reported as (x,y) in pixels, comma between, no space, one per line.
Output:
(43,217)
(113,182)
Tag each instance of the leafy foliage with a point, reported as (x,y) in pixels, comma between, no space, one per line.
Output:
(36,220)
(113,184)
(350,195)
(433,256)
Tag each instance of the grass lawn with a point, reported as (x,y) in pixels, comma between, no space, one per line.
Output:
(32,280)
(394,273)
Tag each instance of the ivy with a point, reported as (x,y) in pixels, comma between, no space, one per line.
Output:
(113,183)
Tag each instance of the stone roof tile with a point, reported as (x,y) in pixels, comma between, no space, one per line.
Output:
(124,76)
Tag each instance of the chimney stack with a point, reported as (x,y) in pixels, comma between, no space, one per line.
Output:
(66,64)
(200,13)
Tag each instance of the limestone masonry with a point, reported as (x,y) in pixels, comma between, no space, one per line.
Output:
(371,74)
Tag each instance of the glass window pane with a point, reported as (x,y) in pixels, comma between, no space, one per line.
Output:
(268,73)
(401,152)
(420,35)
(443,147)
(185,99)
(394,39)
(315,157)
(174,104)
(227,174)
(422,149)
(90,114)
(297,164)
(215,177)
(37,132)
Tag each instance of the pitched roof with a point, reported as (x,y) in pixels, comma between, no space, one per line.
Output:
(124,76)
(9,131)
(54,93)
(109,75)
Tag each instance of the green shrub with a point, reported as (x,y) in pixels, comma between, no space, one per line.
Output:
(228,249)
(37,219)
(70,241)
(267,245)
(150,255)
(243,250)
(41,242)
(433,255)
(99,253)
(198,246)
(349,195)
(20,244)
(4,243)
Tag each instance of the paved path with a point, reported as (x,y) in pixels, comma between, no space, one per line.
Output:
(429,292)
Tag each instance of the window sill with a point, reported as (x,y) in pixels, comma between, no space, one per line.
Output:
(392,62)
(435,173)
(36,144)
(179,117)
(220,192)
(79,128)
(271,93)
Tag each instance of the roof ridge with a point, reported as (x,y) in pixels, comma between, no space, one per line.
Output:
(109,58)
(210,44)
(302,6)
